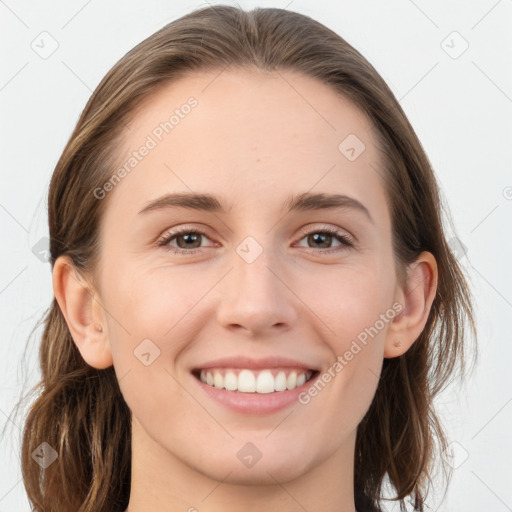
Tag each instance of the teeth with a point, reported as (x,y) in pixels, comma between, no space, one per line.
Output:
(291,381)
(248,381)
(280,382)
(230,381)
(265,382)
(218,381)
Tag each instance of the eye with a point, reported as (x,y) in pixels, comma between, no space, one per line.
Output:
(323,239)
(187,240)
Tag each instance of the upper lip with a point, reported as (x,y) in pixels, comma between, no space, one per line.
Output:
(256,364)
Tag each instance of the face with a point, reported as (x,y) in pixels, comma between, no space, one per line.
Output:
(255,285)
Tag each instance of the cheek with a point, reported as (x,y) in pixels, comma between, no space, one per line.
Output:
(153,319)
(355,307)
(155,305)
(350,300)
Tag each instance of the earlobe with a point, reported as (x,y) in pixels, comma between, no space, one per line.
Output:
(416,300)
(84,315)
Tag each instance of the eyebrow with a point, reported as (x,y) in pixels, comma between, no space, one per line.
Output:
(302,202)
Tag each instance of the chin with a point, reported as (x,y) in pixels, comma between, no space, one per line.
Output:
(265,471)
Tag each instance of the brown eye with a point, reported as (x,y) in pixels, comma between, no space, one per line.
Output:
(323,239)
(189,240)
(185,241)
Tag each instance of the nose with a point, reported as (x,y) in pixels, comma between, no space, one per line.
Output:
(256,299)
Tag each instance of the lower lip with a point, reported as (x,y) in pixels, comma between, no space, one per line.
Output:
(254,403)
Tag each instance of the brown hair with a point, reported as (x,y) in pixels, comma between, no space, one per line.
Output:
(80,411)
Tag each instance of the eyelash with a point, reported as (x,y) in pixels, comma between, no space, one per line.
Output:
(345,241)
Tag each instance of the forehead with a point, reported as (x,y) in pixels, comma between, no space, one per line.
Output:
(241,132)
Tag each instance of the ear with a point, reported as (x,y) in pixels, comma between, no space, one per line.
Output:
(416,298)
(83,313)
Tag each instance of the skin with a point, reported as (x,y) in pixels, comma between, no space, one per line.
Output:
(253,140)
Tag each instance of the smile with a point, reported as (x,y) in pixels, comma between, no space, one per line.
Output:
(255,381)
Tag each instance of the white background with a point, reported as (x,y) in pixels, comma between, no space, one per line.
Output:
(461,109)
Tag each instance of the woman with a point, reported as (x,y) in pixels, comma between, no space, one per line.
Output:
(255,303)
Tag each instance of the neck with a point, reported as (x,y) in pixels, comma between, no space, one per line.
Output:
(161,482)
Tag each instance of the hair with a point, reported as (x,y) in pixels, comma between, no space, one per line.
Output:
(80,411)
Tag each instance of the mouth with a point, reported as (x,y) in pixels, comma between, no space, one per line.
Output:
(249,386)
(251,381)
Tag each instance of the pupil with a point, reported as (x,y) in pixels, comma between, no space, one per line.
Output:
(318,237)
(193,237)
